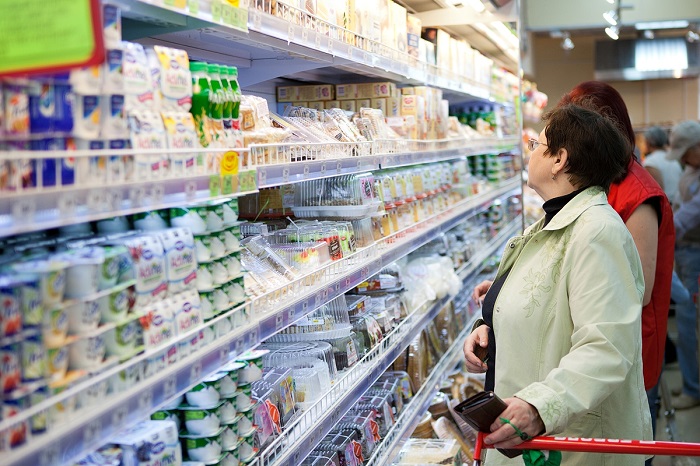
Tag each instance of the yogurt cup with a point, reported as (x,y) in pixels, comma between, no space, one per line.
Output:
(228,413)
(201,421)
(229,384)
(57,362)
(10,307)
(123,340)
(208,247)
(150,221)
(223,327)
(232,265)
(246,423)
(109,272)
(33,359)
(210,275)
(213,303)
(244,400)
(31,304)
(87,352)
(55,327)
(246,448)
(11,373)
(52,276)
(114,225)
(230,211)
(168,415)
(230,237)
(82,275)
(83,317)
(188,218)
(252,371)
(115,306)
(235,291)
(204,394)
(229,439)
(205,449)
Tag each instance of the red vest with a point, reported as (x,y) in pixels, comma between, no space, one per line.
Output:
(636,188)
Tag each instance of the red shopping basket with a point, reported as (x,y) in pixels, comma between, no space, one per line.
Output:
(596,445)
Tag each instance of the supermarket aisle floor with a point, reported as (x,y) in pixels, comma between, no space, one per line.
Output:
(687,420)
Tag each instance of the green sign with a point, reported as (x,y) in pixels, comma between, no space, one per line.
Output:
(49,36)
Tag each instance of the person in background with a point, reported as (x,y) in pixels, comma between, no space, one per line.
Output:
(562,320)
(666,172)
(685,147)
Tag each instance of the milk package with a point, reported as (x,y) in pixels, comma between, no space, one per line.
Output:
(150,443)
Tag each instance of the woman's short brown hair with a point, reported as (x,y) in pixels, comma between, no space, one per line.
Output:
(598,152)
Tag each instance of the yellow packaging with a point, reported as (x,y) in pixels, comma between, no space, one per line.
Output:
(317,105)
(348,105)
(413,27)
(379,104)
(287,93)
(408,90)
(300,104)
(345,91)
(398,19)
(331,104)
(393,107)
(363,103)
(305,93)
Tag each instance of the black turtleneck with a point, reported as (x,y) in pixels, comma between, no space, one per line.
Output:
(551,208)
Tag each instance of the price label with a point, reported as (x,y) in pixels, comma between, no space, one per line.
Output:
(347,282)
(367,58)
(119,416)
(94,199)
(290,34)
(339,167)
(285,174)
(136,196)
(157,193)
(330,45)
(262,176)
(359,163)
(350,53)
(305,307)
(224,355)
(91,431)
(304,35)
(115,199)
(145,401)
(323,169)
(238,346)
(337,288)
(23,210)
(318,299)
(190,190)
(169,386)
(50,455)
(364,273)
(279,321)
(66,205)
(257,21)
(325,295)
(196,372)
(318,41)
(307,169)
(291,314)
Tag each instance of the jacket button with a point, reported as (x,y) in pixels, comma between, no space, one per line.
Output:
(498,309)
(512,245)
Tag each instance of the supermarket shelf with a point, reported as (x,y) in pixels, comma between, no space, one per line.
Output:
(392,443)
(303,41)
(269,314)
(510,230)
(315,162)
(303,436)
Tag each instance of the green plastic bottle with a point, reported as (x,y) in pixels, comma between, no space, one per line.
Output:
(236,89)
(217,97)
(228,103)
(201,88)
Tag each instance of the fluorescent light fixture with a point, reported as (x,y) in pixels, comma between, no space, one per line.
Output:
(613,32)
(567,44)
(692,36)
(475,5)
(610,17)
(612,2)
(648,34)
(661,55)
(662,25)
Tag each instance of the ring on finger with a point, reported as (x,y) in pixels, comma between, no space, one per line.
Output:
(523,435)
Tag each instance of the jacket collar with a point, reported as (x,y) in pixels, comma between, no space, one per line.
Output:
(573,209)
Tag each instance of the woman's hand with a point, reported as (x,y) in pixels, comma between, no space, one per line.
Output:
(476,344)
(480,291)
(520,414)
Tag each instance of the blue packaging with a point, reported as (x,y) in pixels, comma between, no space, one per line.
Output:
(42,106)
(22,172)
(48,166)
(63,114)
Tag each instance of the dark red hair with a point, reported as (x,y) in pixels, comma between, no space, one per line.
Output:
(607,101)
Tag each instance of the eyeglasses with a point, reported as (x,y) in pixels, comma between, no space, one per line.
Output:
(533,144)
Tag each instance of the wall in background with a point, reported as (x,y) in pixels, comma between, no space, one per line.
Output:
(661,101)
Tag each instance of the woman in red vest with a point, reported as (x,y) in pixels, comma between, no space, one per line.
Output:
(647,213)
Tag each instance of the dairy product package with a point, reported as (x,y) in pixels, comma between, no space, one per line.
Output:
(180,261)
(175,83)
(87,114)
(111,24)
(87,81)
(148,259)
(138,83)
(181,134)
(113,70)
(148,132)
(188,312)
(159,324)
(113,123)
(156,440)
(16,108)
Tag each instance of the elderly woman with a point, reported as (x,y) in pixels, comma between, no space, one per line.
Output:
(562,320)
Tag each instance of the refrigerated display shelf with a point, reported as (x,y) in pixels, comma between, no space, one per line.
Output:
(302,437)
(269,314)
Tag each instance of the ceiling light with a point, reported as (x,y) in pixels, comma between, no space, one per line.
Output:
(662,25)
(566,43)
(613,32)
(611,17)
(648,34)
(692,36)
(612,2)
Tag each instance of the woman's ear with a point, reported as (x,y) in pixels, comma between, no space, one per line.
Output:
(560,160)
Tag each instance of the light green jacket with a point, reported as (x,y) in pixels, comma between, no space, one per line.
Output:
(568,328)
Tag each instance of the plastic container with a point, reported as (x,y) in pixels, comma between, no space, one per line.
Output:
(83,317)
(253,369)
(52,273)
(87,352)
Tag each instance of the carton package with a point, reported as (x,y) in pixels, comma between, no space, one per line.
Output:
(346,91)
(379,104)
(393,107)
(348,105)
(150,443)
(305,93)
(317,105)
(413,28)
(398,20)
(363,103)
(331,104)
(443,49)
